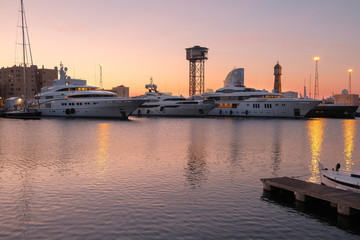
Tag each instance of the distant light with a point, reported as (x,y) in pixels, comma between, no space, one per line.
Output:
(100,65)
(350,70)
(316,59)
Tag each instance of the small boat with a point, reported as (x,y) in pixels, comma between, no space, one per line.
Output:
(23,114)
(339,179)
(17,107)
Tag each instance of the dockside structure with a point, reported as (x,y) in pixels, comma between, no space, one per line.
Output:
(12,83)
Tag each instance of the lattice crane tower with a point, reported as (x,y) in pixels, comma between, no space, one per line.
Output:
(196,56)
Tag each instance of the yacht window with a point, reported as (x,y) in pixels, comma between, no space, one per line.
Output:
(76,89)
(90,96)
(174,99)
(267,105)
(188,102)
(49,97)
(215,98)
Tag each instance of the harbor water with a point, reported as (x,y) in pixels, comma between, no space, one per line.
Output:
(167,178)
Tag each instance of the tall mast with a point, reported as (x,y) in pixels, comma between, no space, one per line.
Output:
(24,47)
(28,39)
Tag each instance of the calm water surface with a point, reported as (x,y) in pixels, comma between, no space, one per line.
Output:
(166,178)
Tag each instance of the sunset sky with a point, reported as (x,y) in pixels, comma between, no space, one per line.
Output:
(135,40)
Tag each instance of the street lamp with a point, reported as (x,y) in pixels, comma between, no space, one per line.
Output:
(350,71)
(316,90)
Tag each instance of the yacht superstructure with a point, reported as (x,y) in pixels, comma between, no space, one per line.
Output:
(73,98)
(160,104)
(239,101)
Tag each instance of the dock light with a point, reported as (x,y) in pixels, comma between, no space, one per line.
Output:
(316,89)
(349,71)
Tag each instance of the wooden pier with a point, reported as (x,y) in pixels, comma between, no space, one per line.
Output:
(347,202)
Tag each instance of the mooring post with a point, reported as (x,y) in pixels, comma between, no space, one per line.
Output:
(343,209)
(300,196)
(266,187)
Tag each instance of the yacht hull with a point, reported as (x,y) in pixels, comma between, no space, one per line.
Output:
(265,107)
(333,111)
(183,110)
(35,115)
(84,108)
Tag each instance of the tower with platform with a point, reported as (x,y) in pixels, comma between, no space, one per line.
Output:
(197,56)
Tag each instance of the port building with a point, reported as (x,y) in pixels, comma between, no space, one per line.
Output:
(12,80)
(121,91)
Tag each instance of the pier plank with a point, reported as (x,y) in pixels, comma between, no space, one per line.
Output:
(330,194)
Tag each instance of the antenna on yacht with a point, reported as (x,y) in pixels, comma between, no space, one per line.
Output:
(151,87)
(62,72)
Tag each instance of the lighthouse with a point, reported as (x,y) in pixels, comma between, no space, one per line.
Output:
(277,82)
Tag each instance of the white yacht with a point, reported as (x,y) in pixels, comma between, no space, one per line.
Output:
(160,104)
(239,101)
(73,98)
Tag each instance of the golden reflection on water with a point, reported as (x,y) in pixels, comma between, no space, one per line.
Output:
(349,129)
(103,147)
(197,170)
(315,133)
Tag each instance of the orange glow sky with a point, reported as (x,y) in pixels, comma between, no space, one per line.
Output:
(135,40)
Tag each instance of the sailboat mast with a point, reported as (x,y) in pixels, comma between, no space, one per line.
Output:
(24,47)
(28,39)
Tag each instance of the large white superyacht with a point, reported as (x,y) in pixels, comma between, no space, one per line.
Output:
(73,98)
(160,104)
(236,100)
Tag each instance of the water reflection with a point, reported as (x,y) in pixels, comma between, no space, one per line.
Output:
(349,130)
(236,155)
(24,203)
(103,147)
(315,134)
(276,149)
(197,170)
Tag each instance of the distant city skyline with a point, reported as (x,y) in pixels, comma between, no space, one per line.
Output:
(136,40)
